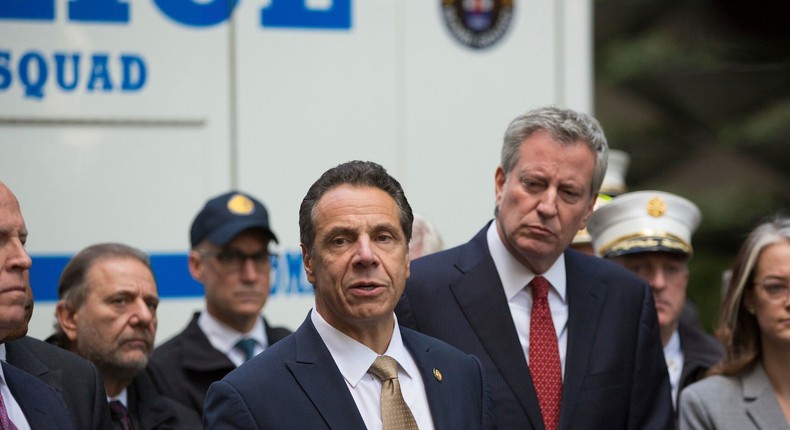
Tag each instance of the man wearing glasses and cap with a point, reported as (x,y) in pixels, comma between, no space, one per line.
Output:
(230,239)
(649,232)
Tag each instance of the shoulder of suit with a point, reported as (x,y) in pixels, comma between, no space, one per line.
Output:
(53,355)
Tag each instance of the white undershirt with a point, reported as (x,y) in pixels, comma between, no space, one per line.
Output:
(515,279)
(674,358)
(224,338)
(353,359)
(11,406)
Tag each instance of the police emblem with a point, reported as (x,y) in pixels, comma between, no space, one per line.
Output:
(477,24)
(241,205)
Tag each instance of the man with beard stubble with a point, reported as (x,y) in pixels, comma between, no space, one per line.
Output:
(107,314)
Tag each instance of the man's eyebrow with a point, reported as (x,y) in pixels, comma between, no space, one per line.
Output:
(337,230)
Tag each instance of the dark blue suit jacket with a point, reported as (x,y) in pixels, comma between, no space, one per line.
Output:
(74,378)
(615,374)
(42,405)
(296,384)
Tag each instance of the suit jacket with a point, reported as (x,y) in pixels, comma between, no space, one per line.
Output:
(700,352)
(732,402)
(152,411)
(615,374)
(185,366)
(42,405)
(296,384)
(74,378)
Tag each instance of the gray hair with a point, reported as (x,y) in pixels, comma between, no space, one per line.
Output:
(564,125)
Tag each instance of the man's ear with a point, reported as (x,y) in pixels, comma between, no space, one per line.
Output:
(67,320)
(499,182)
(196,266)
(307,262)
(589,211)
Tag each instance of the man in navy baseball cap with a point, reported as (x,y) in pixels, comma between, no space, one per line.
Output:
(225,216)
(230,256)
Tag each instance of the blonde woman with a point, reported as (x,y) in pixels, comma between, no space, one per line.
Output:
(750,388)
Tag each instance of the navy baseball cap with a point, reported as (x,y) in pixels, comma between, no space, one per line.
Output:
(224,217)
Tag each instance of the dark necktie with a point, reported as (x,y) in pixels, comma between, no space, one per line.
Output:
(247,346)
(5,420)
(395,413)
(544,355)
(118,413)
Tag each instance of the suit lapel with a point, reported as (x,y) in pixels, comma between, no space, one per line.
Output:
(21,357)
(441,404)
(761,404)
(585,298)
(28,399)
(485,306)
(316,372)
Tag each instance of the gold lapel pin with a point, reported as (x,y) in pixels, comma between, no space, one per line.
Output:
(437,374)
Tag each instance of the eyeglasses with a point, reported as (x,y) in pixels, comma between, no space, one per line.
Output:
(232,259)
(777,290)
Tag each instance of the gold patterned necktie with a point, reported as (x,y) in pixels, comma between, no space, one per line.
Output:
(395,413)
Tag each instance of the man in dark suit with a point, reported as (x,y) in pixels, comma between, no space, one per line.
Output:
(71,376)
(649,233)
(567,340)
(355,224)
(26,401)
(230,237)
(107,314)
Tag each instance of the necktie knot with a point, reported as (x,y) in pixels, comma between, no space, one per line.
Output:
(385,368)
(247,346)
(540,288)
(118,414)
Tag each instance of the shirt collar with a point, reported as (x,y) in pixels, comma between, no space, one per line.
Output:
(123,397)
(514,275)
(2,351)
(352,358)
(224,337)
(673,346)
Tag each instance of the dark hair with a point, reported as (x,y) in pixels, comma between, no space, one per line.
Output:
(73,286)
(356,173)
(738,329)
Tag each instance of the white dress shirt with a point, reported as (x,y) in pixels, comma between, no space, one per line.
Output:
(674,358)
(123,397)
(224,338)
(515,280)
(353,359)
(11,406)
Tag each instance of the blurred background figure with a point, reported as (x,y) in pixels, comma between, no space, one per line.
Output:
(424,238)
(107,314)
(750,388)
(649,232)
(613,185)
(230,257)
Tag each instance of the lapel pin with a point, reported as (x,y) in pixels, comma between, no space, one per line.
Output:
(437,374)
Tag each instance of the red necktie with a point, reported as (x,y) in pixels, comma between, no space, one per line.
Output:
(5,420)
(544,355)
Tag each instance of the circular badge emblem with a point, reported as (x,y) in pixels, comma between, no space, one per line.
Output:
(478,24)
(656,207)
(240,205)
